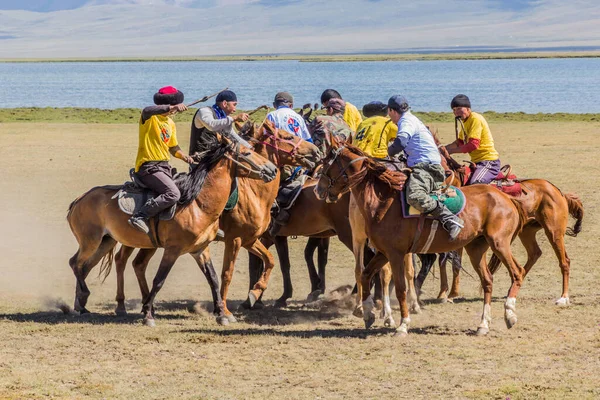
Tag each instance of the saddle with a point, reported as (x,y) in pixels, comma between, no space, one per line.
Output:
(452,197)
(507,182)
(134,194)
(289,192)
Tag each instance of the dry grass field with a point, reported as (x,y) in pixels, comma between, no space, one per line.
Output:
(299,352)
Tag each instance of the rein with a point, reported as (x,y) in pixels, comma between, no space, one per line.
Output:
(239,155)
(342,173)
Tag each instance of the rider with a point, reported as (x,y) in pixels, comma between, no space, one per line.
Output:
(425,161)
(476,139)
(351,114)
(216,118)
(376,131)
(158,138)
(333,123)
(284,117)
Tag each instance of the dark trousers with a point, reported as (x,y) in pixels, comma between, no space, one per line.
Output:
(156,175)
(484,172)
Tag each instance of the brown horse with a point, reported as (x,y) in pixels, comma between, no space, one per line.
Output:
(245,223)
(546,207)
(98,223)
(491,220)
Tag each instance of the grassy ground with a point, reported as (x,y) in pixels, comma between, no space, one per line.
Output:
(335,57)
(298,352)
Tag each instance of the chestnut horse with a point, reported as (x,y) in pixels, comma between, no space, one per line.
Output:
(98,223)
(546,207)
(491,220)
(245,223)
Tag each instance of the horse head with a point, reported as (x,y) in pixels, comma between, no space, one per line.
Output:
(284,147)
(249,163)
(343,168)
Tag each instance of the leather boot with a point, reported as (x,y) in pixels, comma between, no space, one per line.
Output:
(140,222)
(450,222)
(278,221)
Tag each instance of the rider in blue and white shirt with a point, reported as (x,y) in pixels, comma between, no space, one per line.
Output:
(284,117)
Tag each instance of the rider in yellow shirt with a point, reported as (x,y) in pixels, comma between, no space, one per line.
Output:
(375,133)
(351,114)
(475,138)
(157,142)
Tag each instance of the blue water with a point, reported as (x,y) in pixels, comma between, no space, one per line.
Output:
(531,86)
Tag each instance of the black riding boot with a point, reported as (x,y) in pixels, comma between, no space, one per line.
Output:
(140,219)
(277,221)
(450,222)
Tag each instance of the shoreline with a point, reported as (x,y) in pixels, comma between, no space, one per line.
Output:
(326,57)
(131,115)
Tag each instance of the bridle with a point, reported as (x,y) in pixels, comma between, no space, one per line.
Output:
(274,139)
(239,155)
(343,174)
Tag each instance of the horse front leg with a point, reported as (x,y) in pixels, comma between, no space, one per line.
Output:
(283,252)
(368,305)
(456,262)
(169,257)
(409,274)
(206,266)
(386,312)
(309,250)
(232,248)
(255,269)
(260,250)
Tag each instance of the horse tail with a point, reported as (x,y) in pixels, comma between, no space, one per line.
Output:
(494,264)
(106,264)
(576,211)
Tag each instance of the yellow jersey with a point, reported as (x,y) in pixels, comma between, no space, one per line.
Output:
(157,134)
(476,127)
(374,134)
(352,116)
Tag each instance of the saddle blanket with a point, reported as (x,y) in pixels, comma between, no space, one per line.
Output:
(453,198)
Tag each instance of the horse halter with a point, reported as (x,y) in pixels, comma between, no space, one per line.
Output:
(272,137)
(343,173)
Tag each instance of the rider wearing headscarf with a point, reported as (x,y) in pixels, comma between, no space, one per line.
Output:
(351,114)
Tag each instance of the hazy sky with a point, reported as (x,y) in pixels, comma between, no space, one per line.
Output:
(103,28)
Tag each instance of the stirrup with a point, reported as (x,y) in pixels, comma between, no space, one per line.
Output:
(139,223)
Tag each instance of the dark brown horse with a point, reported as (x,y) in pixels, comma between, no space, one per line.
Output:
(98,223)
(491,220)
(246,222)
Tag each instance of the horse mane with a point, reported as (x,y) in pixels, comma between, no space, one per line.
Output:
(190,184)
(395,180)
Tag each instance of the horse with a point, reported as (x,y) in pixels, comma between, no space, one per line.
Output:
(98,224)
(545,206)
(491,220)
(245,223)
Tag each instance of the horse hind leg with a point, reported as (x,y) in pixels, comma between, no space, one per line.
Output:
(476,251)
(311,245)
(259,249)
(564,262)
(88,256)
(386,312)
(120,263)
(206,266)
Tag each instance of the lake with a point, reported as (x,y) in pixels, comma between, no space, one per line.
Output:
(527,85)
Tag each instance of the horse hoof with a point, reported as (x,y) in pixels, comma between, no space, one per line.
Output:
(389,323)
(314,296)
(280,303)
(378,305)
(84,312)
(252,298)
(481,331)
(563,302)
(510,320)
(121,312)
(149,322)
(222,320)
(401,333)
(231,318)
(369,321)
(415,309)
(358,312)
